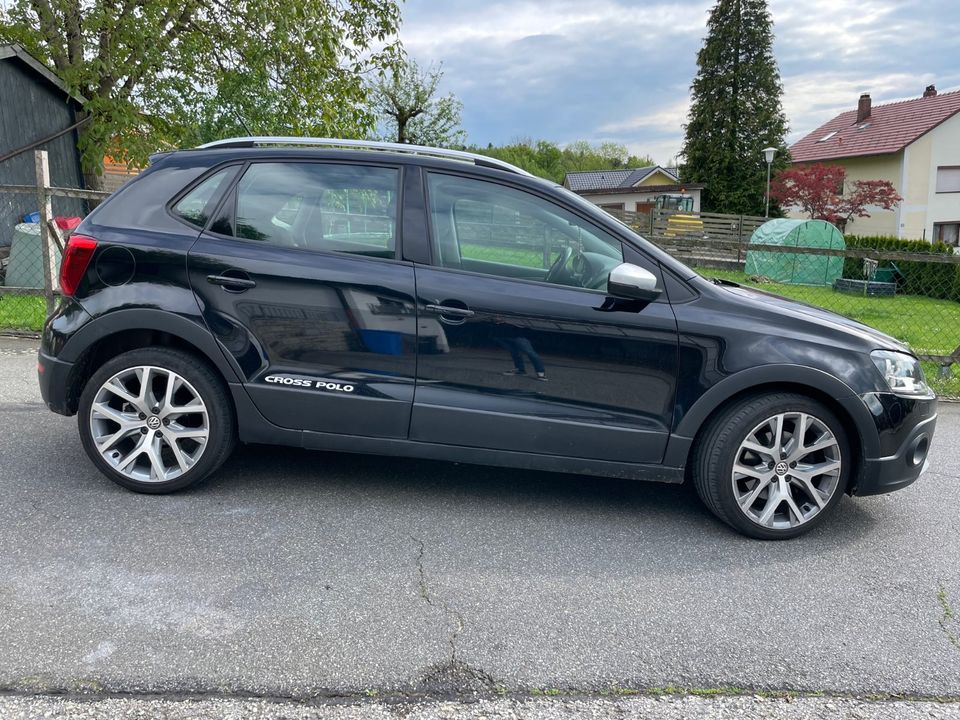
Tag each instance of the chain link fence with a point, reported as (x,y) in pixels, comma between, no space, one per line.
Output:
(909,289)
(22,304)
(35,221)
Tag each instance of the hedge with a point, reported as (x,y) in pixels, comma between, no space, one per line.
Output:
(935,280)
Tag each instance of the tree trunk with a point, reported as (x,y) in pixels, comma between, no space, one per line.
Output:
(91,163)
(92,180)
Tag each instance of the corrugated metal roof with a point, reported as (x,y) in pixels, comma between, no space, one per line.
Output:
(888,129)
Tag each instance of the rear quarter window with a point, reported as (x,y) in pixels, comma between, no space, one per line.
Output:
(195,207)
(143,201)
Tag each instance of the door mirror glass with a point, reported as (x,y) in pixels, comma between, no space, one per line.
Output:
(633,283)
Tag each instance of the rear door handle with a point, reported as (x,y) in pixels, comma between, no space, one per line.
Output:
(451,311)
(228,282)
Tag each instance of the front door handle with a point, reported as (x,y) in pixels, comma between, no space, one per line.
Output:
(451,311)
(229,282)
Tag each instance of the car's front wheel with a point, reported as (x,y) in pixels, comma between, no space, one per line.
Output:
(156,420)
(773,466)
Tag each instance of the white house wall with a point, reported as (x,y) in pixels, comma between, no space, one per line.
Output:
(925,206)
(631,199)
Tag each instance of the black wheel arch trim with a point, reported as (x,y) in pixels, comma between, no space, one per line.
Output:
(779,374)
(118,321)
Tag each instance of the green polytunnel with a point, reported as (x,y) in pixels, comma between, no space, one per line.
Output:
(798,268)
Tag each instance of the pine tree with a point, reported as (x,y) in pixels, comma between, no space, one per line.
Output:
(735,109)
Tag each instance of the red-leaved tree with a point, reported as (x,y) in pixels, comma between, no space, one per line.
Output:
(822,192)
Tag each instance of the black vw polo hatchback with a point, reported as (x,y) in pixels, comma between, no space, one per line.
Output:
(435,304)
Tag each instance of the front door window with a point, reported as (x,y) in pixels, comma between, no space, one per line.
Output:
(493,229)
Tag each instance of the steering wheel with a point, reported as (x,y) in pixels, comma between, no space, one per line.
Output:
(556,270)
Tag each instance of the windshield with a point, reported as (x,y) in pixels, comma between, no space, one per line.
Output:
(680,203)
(678,266)
(589,206)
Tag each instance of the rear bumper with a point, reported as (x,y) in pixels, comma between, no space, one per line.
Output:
(906,444)
(54,377)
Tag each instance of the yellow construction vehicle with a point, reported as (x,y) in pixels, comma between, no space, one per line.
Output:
(680,222)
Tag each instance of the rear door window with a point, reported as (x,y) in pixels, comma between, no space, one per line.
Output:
(316,206)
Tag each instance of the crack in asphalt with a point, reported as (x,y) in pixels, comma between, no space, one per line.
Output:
(949,622)
(441,604)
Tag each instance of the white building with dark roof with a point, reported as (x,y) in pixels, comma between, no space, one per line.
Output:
(631,189)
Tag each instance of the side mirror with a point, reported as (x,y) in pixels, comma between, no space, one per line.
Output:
(633,283)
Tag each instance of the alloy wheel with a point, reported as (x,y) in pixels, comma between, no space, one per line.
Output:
(149,424)
(786,470)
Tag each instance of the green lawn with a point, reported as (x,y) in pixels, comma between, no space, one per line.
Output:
(22,312)
(510,256)
(930,327)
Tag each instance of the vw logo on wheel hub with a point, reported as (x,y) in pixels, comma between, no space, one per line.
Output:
(153,422)
(781,469)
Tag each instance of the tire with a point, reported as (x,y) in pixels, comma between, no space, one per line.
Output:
(814,474)
(177,433)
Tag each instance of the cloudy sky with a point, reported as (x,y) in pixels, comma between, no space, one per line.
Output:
(620,70)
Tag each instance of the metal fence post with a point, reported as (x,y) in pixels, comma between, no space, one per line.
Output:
(45,206)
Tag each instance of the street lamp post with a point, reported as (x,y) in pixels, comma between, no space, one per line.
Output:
(768,153)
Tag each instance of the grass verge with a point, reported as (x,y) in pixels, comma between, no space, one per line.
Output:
(22,312)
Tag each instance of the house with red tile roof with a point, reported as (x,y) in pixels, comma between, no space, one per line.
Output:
(915,144)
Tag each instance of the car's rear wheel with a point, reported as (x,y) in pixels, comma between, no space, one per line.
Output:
(156,420)
(773,466)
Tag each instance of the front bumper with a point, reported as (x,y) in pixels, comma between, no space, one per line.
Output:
(54,377)
(905,428)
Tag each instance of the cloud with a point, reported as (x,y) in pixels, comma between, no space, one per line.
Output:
(665,118)
(813,98)
(831,51)
(430,26)
(621,70)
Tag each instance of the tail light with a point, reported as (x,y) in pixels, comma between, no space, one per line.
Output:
(76,258)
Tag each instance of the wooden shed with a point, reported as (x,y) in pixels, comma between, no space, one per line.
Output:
(37,112)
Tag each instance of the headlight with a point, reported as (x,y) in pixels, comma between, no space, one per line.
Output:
(902,372)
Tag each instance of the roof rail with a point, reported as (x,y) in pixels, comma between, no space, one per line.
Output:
(260,140)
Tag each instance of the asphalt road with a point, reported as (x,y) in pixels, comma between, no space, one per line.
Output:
(293,573)
(660,707)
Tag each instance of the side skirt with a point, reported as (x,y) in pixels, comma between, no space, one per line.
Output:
(483,456)
(254,428)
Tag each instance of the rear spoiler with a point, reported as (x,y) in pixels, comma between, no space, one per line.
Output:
(157,156)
